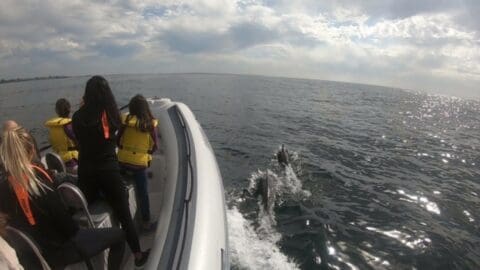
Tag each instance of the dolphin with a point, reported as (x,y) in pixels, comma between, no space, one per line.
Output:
(282,157)
(263,188)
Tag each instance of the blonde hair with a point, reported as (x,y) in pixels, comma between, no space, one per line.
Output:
(16,152)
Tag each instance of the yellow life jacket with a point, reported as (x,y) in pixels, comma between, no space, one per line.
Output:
(59,140)
(135,144)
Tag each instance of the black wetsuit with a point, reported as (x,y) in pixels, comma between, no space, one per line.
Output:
(58,236)
(98,168)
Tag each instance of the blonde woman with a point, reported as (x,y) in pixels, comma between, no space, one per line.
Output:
(33,206)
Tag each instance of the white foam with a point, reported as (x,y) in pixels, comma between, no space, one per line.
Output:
(286,182)
(250,251)
(293,184)
(256,247)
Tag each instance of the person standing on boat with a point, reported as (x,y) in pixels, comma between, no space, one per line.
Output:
(34,207)
(95,125)
(137,140)
(61,135)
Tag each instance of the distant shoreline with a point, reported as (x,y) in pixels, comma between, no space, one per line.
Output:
(32,79)
(430,91)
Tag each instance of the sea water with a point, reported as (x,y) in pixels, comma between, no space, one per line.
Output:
(380,178)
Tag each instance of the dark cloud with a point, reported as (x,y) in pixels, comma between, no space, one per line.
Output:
(248,34)
(465,11)
(399,9)
(469,17)
(112,49)
(238,36)
(187,41)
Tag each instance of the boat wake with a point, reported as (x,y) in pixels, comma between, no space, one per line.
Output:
(254,238)
(250,249)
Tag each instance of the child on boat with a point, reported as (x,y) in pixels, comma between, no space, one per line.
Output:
(137,140)
(61,135)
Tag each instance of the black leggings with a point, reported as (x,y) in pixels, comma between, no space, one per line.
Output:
(112,186)
(88,243)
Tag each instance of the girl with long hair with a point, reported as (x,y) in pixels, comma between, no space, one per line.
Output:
(34,207)
(95,125)
(137,140)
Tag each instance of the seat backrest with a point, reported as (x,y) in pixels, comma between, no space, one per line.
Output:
(29,243)
(55,162)
(73,197)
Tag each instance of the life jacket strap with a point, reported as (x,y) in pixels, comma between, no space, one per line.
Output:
(133,149)
(105,126)
(22,194)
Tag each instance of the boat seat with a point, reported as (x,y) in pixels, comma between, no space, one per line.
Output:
(95,216)
(30,254)
(27,250)
(98,214)
(54,162)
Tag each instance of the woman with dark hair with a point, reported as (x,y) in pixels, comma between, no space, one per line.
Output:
(34,207)
(137,140)
(61,135)
(95,125)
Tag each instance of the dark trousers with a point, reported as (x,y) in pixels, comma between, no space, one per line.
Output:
(88,243)
(111,185)
(140,177)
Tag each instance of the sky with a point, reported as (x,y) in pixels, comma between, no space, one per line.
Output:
(429,45)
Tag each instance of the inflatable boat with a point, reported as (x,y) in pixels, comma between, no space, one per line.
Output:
(186,198)
(192,225)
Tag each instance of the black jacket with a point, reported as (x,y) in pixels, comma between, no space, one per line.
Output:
(54,225)
(94,150)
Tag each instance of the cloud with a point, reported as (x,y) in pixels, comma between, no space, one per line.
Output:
(385,42)
(111,49)
(236,37)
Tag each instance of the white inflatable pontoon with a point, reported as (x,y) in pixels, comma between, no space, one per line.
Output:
(186,195)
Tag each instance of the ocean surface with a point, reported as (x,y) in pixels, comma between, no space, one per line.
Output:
(379,178)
